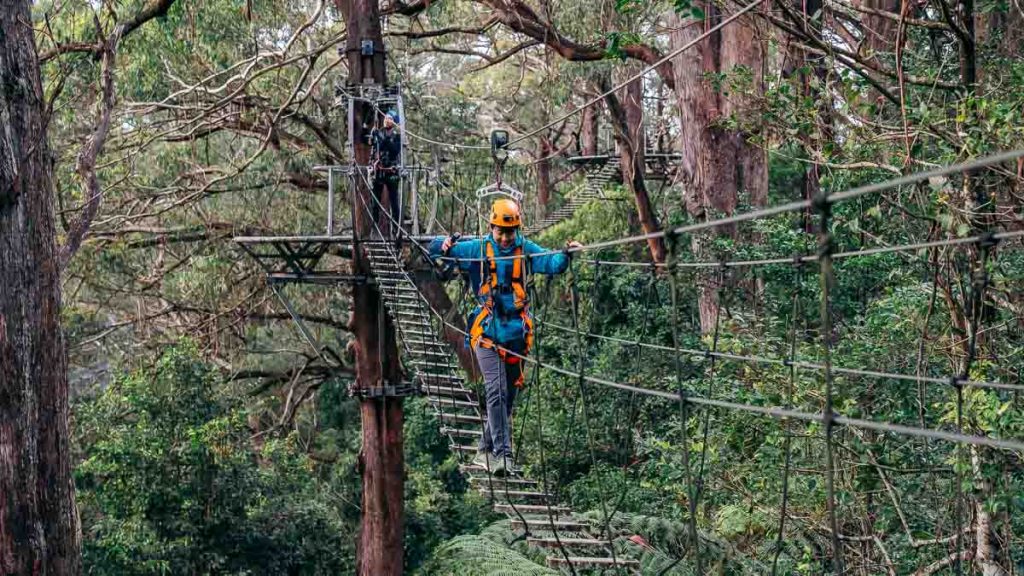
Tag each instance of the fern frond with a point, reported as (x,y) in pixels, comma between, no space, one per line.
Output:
(481,556)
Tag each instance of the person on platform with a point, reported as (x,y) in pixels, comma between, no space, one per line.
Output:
(386,159)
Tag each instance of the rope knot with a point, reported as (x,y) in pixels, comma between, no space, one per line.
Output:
(988,239)
(828,418)
(798,260)
(821,205)
(672,239)
(826,246)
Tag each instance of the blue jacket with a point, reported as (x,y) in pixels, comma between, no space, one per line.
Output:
(509,332)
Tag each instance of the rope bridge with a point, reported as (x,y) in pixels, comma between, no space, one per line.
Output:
(532,504)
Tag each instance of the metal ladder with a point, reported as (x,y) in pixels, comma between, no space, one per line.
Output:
(591,189)
(529,505)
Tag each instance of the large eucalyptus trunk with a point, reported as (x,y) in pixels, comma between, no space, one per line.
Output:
(544,151)
(39,527)
(589,130)
(719,166)
(376,352)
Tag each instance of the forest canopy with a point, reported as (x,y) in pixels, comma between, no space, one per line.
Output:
(200,430)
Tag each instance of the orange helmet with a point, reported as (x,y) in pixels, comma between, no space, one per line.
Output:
(505,213)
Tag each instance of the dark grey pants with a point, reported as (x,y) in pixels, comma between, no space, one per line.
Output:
(500,393)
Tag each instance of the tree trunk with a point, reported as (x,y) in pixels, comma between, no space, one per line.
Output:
(801,67)
(544,174)
(39,527)
(987,552)
(879,31)
(627,118)
(589,130)
(718,166)
(376,352)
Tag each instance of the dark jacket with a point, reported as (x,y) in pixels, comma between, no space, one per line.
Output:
(387,145)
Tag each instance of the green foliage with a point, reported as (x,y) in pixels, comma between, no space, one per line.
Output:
(479,556)
(171,482)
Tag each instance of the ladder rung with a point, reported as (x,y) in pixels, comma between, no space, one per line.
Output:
(448,391)
(428,352)
(460,417)
(439,376)
(502,481)
(515,493)
(591,561)
(449,402)
(430,363)
(474,469)
(419,324)
(549,542)
(533,509)
(461,432)
(545,524)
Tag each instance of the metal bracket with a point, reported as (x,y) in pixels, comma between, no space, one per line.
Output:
(499,190)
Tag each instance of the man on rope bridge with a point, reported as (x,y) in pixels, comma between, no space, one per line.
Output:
(498,266)
(386,160)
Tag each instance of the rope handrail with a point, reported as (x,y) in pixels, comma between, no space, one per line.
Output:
(775,412)
(797,363)
(785,208)
(448,144)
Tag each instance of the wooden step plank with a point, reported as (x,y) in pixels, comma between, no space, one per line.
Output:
(442,402)
(500,491)
(543,524)
(557,560)
(462,433)
(532,509)
(573,542)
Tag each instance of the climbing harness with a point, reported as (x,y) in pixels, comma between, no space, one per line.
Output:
(493,309)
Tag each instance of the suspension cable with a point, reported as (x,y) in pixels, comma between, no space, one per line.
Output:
(800,364)
(803,204)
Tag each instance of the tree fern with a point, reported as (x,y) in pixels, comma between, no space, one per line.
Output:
(481,556)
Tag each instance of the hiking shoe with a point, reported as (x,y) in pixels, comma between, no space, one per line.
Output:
(508,466)
(481,460)
(498,466)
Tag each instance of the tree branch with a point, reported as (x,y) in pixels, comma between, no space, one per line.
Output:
(151,10)
(86,164)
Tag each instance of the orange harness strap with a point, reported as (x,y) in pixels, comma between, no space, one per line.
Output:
(476,331)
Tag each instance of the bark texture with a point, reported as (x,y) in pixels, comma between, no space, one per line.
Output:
(589,131)
(39,526)
(376,352)
(719,167)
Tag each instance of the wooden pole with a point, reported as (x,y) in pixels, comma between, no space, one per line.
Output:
(376,353)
